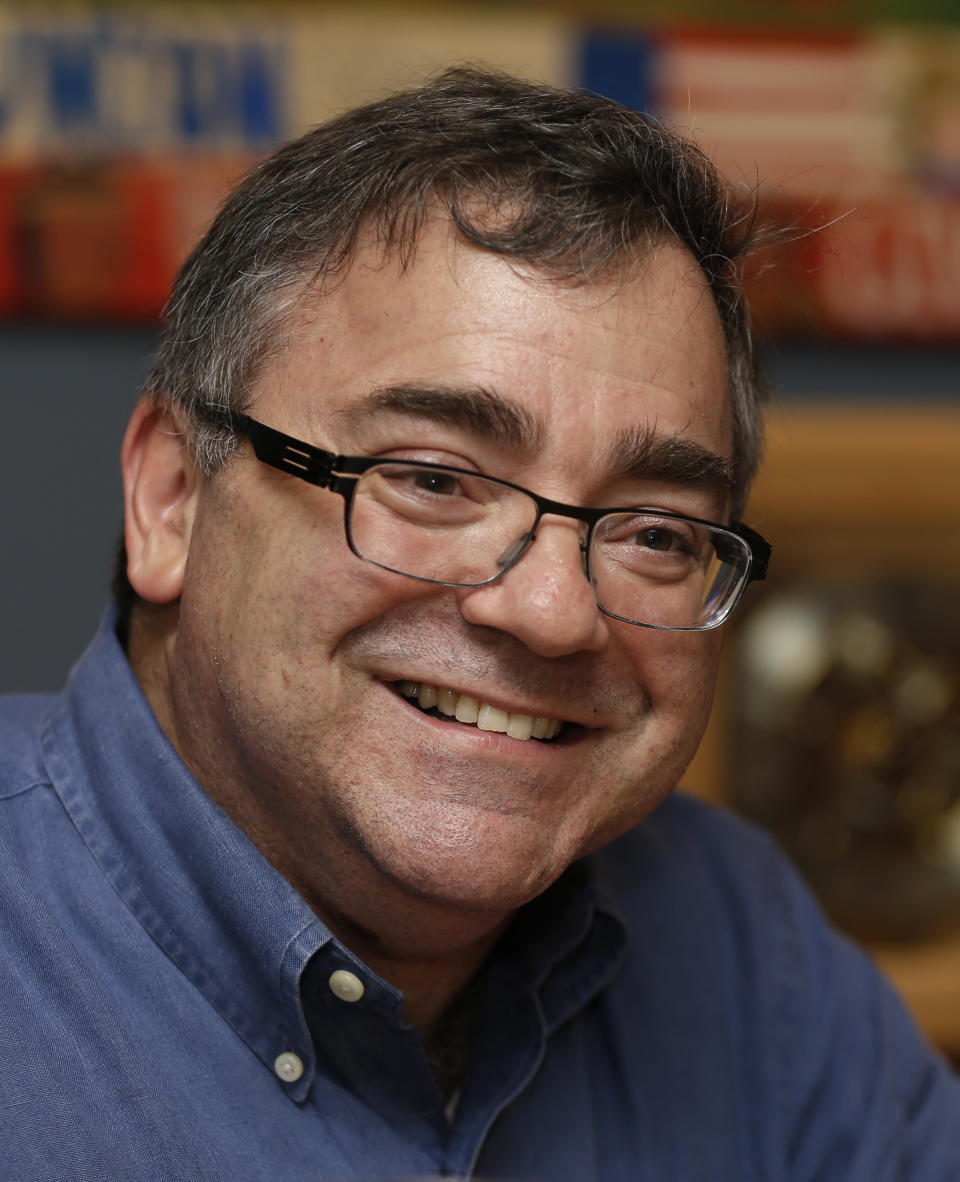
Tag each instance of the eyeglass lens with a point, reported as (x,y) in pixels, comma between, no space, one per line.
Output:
(447,527)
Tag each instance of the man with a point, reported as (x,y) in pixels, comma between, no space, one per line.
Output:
(348,852)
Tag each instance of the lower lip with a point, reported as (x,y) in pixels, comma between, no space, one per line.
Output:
(492,741)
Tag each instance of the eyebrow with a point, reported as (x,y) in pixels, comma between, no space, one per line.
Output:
(474,409)
(640,452)
(647,455)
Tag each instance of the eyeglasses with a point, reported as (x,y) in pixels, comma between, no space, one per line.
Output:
(458,528)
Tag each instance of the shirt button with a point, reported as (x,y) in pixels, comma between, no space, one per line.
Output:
(347,986)
(288,1066)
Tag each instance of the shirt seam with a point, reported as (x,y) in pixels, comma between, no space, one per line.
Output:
(28,787)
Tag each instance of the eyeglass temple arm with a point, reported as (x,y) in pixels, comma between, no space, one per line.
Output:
(284,452)
(760,550)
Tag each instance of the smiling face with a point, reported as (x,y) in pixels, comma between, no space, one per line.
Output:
(286,677)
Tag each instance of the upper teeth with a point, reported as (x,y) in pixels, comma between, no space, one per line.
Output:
(487,718)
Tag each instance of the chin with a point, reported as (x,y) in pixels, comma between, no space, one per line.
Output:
(478,872)
(495,899)
(479,885)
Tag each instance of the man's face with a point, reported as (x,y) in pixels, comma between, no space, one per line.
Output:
(283,674)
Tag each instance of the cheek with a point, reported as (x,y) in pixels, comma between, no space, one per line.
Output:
(678,672)
(271,557)
(696,665)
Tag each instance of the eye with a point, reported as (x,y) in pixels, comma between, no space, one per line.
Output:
(436,482)
(653,548)
(428,495)
(648,534)
(657,538)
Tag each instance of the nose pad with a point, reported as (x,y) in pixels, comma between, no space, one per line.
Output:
(513,552)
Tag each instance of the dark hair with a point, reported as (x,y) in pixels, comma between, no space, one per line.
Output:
(574,185)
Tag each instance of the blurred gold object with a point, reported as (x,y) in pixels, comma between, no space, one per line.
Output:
(847,745)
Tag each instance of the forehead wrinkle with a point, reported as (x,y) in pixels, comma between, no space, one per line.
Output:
(643,453)
(474,409)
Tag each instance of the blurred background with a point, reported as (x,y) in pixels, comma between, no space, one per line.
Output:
(838,722)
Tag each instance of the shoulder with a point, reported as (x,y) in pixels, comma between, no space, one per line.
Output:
(719,898)
(37,838)
(710,890)
(728,942)
(702,855)
(20,764)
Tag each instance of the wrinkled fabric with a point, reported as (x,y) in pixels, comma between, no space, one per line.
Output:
(673,1010)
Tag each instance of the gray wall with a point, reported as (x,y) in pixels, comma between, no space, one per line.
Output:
(65,395)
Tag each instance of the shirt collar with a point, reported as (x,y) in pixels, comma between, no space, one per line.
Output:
(567,943)
(192,878)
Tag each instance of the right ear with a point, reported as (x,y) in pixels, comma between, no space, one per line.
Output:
(161,484)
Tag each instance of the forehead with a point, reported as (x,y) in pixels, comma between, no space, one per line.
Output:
(583,363)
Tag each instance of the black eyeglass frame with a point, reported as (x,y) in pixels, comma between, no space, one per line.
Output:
(339,474)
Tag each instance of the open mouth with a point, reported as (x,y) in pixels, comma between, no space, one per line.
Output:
(450,706)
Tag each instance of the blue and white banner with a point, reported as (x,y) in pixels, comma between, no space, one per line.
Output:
(147,81)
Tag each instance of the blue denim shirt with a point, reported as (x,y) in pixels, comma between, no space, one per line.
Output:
(673,1010)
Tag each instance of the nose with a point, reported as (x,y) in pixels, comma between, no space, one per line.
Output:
(545,600)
